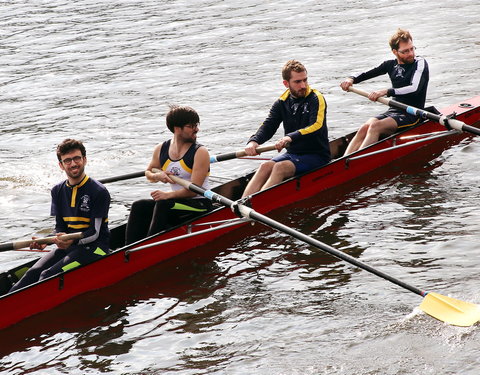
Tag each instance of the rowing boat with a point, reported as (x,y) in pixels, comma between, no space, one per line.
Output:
(417,145)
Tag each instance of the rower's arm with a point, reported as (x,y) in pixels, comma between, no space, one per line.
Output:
(154,163)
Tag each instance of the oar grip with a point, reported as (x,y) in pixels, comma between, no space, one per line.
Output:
(63,237)
(365,94)
(239,154)
(44,240)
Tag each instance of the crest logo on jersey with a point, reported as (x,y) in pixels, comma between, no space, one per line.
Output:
(305,108)
(296,106)
(399,72)
(85,203)
(176,171)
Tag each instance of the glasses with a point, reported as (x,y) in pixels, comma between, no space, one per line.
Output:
(405,51)
(193,126)
(68,161)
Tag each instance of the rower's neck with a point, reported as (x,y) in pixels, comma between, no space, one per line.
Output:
(76,181)
(178,148)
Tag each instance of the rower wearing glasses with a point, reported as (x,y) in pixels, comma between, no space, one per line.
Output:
(79,204)
(183,157)
(409,76)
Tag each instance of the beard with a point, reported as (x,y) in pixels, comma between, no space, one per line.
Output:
(408,60)
(75,172)
(190,138)
(298,93)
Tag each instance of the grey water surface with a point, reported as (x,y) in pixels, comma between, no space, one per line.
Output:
(256,302)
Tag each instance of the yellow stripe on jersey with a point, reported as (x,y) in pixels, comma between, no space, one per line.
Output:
(185,167)
(73,218)
(166,164)
(320,116)
(71,222)
(75,189)
(78,226)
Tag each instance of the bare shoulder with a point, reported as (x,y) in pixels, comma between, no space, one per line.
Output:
(203,151)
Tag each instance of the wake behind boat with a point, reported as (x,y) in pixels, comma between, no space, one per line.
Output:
(417,145)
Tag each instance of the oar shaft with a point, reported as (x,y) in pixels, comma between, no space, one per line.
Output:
(239,154)
(330,250)
(213,159)
(43,240)
(122,177)
(252,214)
(441,119)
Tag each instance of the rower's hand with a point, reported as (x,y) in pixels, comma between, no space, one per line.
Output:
(62,244)
(161,176)
(373,96)
(36,245)
(159,195)
(251,149)
(345,85)
(282,143)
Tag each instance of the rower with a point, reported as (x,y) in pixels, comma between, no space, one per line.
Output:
(181,156)
(409,75)
(303,112)
(79,204)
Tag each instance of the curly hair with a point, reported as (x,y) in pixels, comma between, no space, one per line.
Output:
(69,145)
(292,65)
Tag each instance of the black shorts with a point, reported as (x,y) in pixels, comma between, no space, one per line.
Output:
(148,216)
(402,119)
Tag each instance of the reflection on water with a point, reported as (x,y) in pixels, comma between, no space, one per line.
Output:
(257,302)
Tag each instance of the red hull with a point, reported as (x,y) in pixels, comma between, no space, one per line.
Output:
(49,293)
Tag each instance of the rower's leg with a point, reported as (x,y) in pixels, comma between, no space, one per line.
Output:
(260,177)
(33,274)
(139,220)
(359,137)
(281,171)
(377,127)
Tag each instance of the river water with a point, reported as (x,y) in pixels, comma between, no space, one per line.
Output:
(257,302)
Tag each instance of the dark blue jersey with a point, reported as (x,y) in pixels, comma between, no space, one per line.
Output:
(409,81)
(304,120)
(82,208)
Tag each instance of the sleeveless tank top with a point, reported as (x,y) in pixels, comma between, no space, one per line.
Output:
(182,167)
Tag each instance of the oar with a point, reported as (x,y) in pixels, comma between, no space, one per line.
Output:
(441,119)
(47,240)
(443,308)
(213,159)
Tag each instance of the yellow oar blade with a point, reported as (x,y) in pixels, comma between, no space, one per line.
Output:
(450,310)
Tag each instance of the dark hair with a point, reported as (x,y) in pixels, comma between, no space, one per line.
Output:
(69,145)
(179,116)
(399,36)
(292,65)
